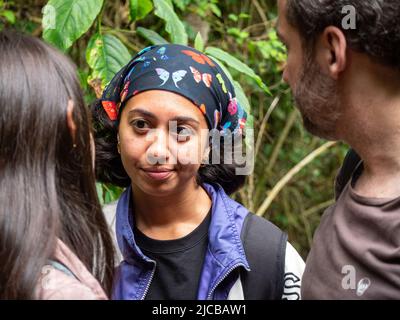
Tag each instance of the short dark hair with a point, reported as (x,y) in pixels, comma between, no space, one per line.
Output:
(109,167)
(377,31)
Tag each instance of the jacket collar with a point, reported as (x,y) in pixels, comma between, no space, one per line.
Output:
(225,250)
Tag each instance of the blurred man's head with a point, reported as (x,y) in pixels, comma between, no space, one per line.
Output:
(328,41)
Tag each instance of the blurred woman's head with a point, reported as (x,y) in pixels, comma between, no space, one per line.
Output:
(157,119)
(46,183)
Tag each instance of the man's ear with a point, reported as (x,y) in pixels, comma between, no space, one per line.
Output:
(70,121)
(331,51)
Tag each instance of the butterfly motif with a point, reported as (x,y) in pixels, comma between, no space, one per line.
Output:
(242,119)
(145,50)
(162,54)
(226,126)
(110,108)
(140,59)
(222,82)
(148,61)
(129,74)
(203,109)
(242,123)
(176,76)
(124,92)
(217,118)
(198,77)
(232,106)
(198,57)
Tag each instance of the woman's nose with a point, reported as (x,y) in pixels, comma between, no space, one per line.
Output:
(158,151)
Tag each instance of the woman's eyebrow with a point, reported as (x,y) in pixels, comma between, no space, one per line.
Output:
(143,113)
(185,119)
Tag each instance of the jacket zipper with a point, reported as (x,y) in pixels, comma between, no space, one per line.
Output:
(149,283)
(223,278)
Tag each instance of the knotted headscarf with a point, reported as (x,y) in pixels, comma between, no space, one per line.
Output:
(182,70)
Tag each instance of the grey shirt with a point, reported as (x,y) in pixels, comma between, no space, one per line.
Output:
(356,249)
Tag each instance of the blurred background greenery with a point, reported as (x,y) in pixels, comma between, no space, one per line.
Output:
(294,172)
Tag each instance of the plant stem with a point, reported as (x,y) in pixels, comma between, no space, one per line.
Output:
(286,179)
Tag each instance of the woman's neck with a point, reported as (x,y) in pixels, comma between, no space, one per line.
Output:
(173,216)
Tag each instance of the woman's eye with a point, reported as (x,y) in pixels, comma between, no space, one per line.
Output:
(140,124)
(183,133)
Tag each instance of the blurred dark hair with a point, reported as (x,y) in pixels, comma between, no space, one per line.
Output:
(377,31)
(109,168)
(47,186)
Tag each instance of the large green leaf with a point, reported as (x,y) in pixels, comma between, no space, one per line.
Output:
(139,9)
(70,19)
(174,26)
(106,55)
(100,192)
(241,96)
(236,64)
(199,42)
(151,36)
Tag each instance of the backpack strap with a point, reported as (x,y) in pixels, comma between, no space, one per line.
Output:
(350,163)
(61,267)
(265,248)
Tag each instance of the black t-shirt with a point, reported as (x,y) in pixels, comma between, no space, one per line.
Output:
(178,263)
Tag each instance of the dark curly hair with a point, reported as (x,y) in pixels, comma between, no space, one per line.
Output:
(109,168)
(377,31)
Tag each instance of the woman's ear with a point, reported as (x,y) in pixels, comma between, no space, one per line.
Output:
(70,121)
(206,156)
(118,144)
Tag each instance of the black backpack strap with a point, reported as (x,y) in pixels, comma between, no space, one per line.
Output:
(265,248)
(350,163)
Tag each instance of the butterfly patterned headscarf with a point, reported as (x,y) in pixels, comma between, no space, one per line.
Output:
(182,70)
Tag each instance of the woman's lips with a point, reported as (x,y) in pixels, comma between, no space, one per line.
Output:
(158,174)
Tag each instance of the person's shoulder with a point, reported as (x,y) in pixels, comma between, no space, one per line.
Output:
(262,223)
(54,284)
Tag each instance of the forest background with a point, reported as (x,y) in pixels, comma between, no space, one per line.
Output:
(292,182)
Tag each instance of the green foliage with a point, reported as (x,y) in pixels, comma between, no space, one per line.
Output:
(67,20)
(139,9)
(102,35)
(236,64)
(199,42)
(6,16)
(272,49)
(151,36)
(105,55)
(108,193)
(174,25)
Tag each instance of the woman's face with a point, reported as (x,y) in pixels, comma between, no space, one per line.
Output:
(163,140)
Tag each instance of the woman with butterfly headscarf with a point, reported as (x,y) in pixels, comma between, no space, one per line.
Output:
(160,132)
